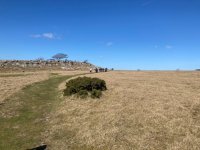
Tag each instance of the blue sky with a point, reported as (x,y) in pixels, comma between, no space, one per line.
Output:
(123,34)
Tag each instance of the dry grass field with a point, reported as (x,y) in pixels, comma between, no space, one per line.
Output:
(24,113)
(140,110)
(11,83)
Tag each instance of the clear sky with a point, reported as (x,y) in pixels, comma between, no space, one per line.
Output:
(123,34)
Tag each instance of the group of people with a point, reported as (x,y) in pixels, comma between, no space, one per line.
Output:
(99,70)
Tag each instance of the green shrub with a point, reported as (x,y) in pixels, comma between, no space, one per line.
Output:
(96,93)
(83,85)
(98,84)
(69,91)
(82,93)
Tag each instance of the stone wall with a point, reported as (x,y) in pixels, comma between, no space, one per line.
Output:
(43,65)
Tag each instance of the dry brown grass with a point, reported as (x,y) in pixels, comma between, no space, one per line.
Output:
(140,110)
(11,83)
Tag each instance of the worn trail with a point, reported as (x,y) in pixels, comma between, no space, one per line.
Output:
(23,118)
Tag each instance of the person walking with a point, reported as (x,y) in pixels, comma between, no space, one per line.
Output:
(96,70)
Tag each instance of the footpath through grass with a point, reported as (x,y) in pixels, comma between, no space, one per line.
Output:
(23,116)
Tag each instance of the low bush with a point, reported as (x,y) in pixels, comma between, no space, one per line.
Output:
(84,86)
(96,93)
(82,94)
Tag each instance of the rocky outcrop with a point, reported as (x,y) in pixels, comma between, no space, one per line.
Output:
(43,65)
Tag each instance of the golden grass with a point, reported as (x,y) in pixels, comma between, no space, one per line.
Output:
(140,110)
(11,83)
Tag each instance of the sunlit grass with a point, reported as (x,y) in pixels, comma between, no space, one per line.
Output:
(23,117)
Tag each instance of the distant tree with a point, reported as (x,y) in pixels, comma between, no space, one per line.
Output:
(60,56)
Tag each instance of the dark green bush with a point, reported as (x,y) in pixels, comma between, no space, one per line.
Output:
(98,84)
(82,93)
(96,93)
(83,85)
(69,91)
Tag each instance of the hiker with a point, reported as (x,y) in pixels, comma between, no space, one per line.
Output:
(96,70)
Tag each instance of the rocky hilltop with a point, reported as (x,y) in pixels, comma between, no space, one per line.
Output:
(22,65)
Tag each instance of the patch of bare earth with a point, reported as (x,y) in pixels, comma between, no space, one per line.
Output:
(11,83)
(140,110)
